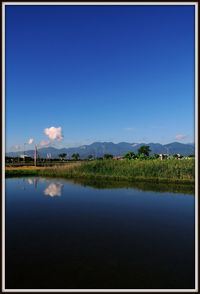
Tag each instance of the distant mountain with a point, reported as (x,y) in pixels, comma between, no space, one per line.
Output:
(98,149)
(184,149)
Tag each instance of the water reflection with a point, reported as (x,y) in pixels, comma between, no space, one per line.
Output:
(54,189)
(112,238)
(30,181)
(33,181)
(55,186)
(142,186)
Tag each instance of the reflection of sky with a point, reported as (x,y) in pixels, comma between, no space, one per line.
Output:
(54,189)
(141,230)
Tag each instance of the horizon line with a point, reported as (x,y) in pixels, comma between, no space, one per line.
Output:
(66,147)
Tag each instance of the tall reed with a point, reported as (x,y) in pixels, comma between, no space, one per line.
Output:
(132,170)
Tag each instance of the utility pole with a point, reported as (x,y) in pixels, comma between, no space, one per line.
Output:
(24,152)
(35,156)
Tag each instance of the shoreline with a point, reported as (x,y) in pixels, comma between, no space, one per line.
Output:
(73,173)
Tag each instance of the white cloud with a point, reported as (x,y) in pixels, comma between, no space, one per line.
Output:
(15,147)
(180,137)
(54,133)
(44,143)
(30,141)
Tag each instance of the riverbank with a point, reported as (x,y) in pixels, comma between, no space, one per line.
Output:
(166,171)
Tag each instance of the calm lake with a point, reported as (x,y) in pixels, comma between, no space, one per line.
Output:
(66,235)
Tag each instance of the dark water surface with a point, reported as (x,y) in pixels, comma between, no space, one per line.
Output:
(65,235)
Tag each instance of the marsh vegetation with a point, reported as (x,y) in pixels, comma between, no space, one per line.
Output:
(177,171)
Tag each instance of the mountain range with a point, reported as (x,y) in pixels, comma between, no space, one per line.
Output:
(98,149)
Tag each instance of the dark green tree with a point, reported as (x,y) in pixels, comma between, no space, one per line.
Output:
(62,156)
(155,156)
(144,150)
(130,155)
(108,156)
(99,158)
(142,156)
(76,156)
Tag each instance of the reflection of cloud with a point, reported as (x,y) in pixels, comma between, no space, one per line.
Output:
(33,182)
(54,189)
(30,181)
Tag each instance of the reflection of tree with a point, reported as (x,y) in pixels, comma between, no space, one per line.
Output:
(143,186)
(54,189)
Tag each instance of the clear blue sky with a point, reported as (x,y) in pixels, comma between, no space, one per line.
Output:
(101,73)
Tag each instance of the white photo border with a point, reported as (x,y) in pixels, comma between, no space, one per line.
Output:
(4,4)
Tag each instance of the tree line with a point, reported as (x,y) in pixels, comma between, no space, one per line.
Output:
(142,153)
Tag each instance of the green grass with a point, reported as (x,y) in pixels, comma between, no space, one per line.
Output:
(149,170)
(176,171)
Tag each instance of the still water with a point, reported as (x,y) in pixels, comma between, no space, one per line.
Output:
(66,235)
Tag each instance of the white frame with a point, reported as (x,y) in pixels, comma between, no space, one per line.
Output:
(195,4)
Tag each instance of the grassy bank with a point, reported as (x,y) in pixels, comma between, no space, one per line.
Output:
(166,171)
